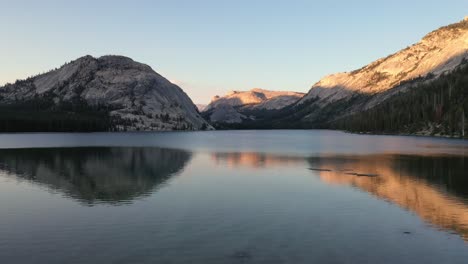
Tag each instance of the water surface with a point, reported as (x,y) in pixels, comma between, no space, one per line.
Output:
(232,197)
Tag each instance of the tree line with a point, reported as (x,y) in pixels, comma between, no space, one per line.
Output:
(42,114)
(438,107)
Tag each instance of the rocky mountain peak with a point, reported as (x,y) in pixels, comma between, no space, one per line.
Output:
(136,95)
(121,62)
(438,52)
(252,97)
(259,90)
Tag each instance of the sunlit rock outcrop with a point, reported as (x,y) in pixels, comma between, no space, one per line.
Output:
(437,53)
(237,106)
(418,90)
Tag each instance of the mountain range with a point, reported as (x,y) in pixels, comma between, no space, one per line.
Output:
(422,89)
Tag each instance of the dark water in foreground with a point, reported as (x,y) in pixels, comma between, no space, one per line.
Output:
(232,197)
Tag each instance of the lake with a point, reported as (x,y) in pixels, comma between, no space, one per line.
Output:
(282,196)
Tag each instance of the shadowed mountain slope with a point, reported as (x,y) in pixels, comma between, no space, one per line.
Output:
(97,94)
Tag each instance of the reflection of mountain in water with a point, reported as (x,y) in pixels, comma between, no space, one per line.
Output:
(435,188)
(96,175)
(253,159)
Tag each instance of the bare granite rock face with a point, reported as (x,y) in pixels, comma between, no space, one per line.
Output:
(232,107)
(134,93)
(437,53)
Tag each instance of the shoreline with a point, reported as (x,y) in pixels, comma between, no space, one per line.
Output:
(404,135)
(278,129)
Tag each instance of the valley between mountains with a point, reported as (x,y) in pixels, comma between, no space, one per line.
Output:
(420,90)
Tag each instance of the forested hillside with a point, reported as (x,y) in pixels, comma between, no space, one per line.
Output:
(43,115)
(438,107)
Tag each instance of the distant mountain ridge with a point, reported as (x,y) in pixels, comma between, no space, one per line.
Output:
(422,89)
(110,93)
(200,107)
(237,106)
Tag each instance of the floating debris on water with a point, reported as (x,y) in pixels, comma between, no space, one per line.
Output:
(366,175)
(362,174)
(316,169)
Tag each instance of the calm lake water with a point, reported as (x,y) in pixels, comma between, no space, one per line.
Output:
(232,197)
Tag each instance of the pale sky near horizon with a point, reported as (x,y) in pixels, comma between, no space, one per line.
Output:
(209,47)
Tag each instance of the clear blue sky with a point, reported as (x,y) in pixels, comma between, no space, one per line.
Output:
(209,47)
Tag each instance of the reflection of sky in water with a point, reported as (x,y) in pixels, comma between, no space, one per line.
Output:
(171,205)
(284,141)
